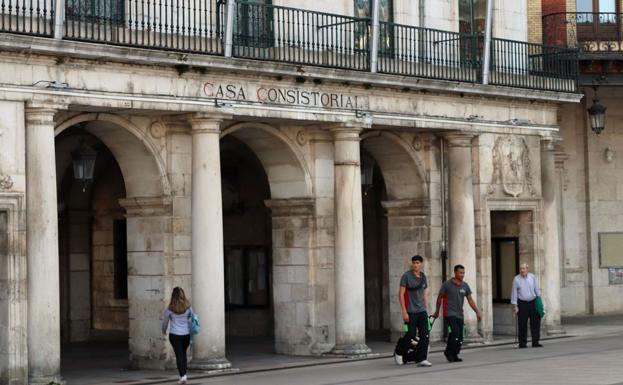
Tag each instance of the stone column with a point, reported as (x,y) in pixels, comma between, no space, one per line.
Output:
(462,235)
(551,247)
(208,271)
(44,348)
(350,315)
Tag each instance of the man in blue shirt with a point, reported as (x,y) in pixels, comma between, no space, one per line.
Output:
(524,292)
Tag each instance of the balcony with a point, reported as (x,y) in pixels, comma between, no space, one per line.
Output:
(302,37)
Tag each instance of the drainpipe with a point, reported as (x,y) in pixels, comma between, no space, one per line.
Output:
(59,18)
(487,49)
(229,27)
(422,15)
(374,42)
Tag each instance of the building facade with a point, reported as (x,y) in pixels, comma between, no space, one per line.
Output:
(281,162)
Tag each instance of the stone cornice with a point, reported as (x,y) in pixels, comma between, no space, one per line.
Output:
(407,207)
(141,56)
(293,207)
(147,206)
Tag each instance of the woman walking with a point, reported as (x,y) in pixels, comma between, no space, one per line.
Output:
(178,316)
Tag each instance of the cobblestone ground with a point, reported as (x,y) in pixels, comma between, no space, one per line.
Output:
(591,361)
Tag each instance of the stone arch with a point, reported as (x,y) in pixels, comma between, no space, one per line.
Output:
(285,166)
(403,170)
(144,170)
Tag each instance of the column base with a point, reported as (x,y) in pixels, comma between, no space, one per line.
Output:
(48,380)
(474,340)
(351,351)
(210,364)
(554,330)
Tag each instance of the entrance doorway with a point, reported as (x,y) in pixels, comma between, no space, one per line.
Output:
(375,250)
(512,243)
(93,256)
(247,234)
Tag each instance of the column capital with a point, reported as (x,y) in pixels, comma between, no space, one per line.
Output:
(459,139)
(208,122)
(349,131)
(549,143)
(42,112)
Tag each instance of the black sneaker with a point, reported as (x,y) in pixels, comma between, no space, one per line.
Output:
(458,359)
(521,346)
(449,357)
(537,345)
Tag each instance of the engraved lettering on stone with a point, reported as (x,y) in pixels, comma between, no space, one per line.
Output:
(511,166)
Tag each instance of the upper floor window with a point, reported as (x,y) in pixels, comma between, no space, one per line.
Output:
(363,9)
(111,11)
(254,23)
(596,19)
(472,15)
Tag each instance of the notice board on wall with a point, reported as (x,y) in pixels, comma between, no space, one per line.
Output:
(611,249)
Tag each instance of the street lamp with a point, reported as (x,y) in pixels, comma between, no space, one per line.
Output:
(84,164)
(597,115)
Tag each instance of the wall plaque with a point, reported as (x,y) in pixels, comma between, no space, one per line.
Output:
(611,250)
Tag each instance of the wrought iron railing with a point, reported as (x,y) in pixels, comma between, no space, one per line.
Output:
(276,33)
(183,25)
(428,53)
(587,31)
(32,17)
(282,34)
(534,66)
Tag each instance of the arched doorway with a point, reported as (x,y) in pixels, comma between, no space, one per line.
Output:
(397,225)
(375,249)
(93,254)
(267,187)
(247,244)
(115,241)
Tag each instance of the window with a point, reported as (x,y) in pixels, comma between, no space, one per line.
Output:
(472,16)
(597,20)
(363,9)
(111,11)
(254,24)
(120,245)
(504,267)
(246,276)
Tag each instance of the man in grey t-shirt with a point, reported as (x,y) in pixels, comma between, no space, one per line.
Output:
(452,295)
(412,298)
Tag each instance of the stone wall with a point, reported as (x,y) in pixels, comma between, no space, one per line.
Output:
(13,283)
(591,203)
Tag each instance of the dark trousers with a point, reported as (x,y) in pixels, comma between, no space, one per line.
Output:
(418,323)
(180,346)
(527,310)
(455,338)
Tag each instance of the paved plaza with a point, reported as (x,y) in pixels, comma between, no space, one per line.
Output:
(564,361)
(590,353)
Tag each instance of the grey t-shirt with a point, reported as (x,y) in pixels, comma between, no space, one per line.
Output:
(414,295)
(453,297)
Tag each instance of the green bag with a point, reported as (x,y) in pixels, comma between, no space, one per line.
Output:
(538,304)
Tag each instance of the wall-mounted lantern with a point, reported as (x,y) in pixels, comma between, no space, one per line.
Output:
(84,164)
(597,115)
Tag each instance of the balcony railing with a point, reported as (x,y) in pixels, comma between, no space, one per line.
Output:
(282,34)
(589,32)
(31,17)
(276,33)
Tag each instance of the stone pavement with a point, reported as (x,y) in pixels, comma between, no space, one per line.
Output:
(105,362)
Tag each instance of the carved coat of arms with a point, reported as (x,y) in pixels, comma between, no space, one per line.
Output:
(511,166)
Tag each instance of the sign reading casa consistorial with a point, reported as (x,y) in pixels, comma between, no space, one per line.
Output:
(292,96)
